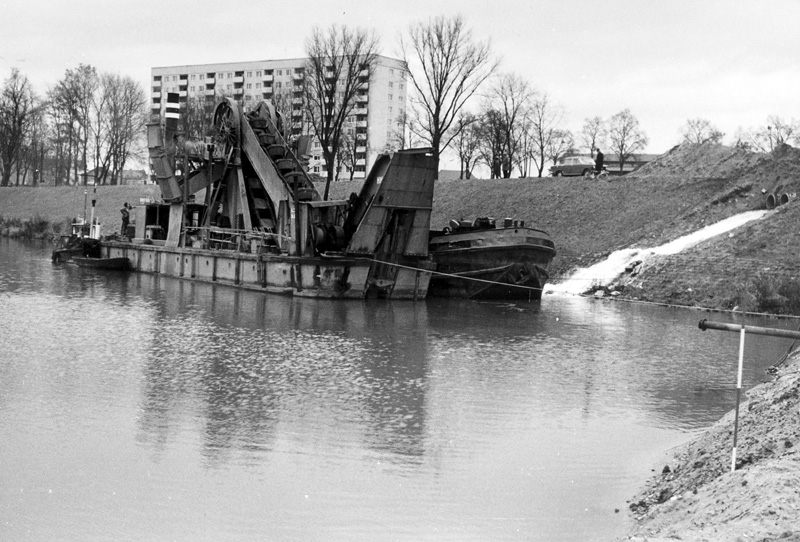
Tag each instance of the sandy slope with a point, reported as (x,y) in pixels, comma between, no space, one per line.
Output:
(700,499)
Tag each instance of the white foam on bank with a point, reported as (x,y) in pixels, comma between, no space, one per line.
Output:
(605,272)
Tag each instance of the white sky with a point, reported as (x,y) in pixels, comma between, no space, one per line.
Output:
(732,62)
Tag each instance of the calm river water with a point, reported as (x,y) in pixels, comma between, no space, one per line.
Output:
(135,408)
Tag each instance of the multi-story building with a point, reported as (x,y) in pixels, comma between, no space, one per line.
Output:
(374,123)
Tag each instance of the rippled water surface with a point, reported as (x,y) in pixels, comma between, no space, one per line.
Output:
(140,408)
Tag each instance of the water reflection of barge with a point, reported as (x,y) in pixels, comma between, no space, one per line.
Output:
(263,225)
(479,260)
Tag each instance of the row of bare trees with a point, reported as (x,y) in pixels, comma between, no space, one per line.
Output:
(515,125)
(87,122)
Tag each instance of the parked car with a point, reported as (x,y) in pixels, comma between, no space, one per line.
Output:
(572,165)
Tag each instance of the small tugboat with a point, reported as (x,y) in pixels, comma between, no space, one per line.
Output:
(90,256)
(479,260)
(73,244)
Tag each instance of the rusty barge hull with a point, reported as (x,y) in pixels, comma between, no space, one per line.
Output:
(336,278)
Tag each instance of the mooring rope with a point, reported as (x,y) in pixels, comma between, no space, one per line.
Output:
(615,298)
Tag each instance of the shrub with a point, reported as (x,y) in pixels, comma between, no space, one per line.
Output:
(774,295)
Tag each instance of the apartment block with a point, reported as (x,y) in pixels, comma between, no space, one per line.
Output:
(373,124)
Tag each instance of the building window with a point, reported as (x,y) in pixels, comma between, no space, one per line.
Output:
(391,96)
(249,85)
(258,85)
(230,75)
(280,72)
(258,73)
(391,84)
(229,86)
(249,74)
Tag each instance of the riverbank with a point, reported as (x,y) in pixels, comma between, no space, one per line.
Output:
(697,498)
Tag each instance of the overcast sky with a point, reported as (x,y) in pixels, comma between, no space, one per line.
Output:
(732,62)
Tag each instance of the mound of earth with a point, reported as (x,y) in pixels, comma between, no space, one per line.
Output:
(698,498)
(705,160)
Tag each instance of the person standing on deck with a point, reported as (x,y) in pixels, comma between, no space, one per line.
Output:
(126,217)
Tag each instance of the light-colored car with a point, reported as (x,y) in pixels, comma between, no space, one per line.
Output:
(572,165)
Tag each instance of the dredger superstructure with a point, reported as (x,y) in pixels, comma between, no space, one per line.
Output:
(239,208)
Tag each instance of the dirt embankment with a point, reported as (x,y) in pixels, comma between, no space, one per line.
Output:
(698,498)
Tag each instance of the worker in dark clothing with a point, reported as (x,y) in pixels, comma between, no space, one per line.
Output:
(126,218)
(598,162)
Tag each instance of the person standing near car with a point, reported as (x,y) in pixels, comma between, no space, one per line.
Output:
(598,162)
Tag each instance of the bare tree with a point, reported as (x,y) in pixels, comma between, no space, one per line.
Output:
(780,131)
(340,63)
(466,144)
(625,135)
(35,146)
(126,120)
(511,96)
(197,117)
(71,103)
(400,135)
(559,145)
(17,105)
(490,133)
(593,134)
(446,67)
(545,119)
(700,131)
(81,84)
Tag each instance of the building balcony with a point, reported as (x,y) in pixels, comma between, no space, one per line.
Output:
(156,95)
(361,124)
(360,111)
(238,79)
(298,101)
(209,92)
(267,78)
(183,81)
(238,91)
(361,162)
(361,149)
(157,83)
(210,80)
(298,76)
(182,93)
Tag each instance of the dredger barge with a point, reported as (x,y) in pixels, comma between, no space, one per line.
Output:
(240,209)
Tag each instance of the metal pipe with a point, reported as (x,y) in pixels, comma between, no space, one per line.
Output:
(755,330)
